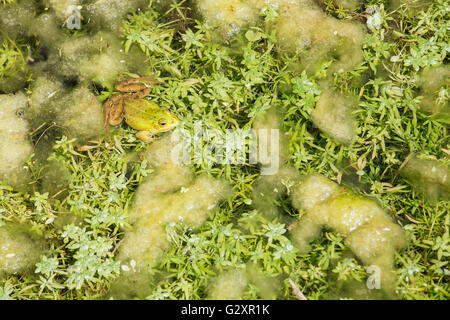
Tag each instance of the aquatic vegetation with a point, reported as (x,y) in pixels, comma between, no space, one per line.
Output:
(19,249)
(428,176)
(13,69)
(334,116)
(268,189)
(109,14)
(56,179)
(169,195)
(44,92)
(412,6)
(97,58)
(346,4)
(81,114)
(300,27)
(305,28)
(369,232)
(61,8)
(266,287)
(107,60)
(192,206)
(231,15)
(271,187)
(15,18)
(228,286)
(318,189)
(353,89)
(15,146)
(434,85)
(49,34)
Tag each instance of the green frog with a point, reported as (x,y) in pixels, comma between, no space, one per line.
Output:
(141,114)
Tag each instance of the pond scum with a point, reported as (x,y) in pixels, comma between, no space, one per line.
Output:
(357,89)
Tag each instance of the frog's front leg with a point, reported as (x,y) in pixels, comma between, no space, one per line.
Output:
(145,136)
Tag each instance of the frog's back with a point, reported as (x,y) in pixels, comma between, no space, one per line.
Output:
(142,114)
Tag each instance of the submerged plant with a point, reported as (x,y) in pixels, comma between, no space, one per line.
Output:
(350,86)
(13,68)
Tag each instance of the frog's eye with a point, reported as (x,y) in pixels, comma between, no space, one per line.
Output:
(162,122)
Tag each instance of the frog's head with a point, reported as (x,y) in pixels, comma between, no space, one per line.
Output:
(165,121)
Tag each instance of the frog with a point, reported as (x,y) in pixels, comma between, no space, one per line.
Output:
(139,113)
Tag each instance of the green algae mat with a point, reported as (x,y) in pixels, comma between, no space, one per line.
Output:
(236,149)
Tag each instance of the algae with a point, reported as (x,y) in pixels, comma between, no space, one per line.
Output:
(15,146)
(15,18)
(301,26)
(236,284)
(368,230)
(428,176)
(433,86)
(333,115)
(81,113)
(19,249)
(227,75)
(229,285)
(171,194)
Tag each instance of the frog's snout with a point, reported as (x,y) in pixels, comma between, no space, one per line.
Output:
(171,124)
